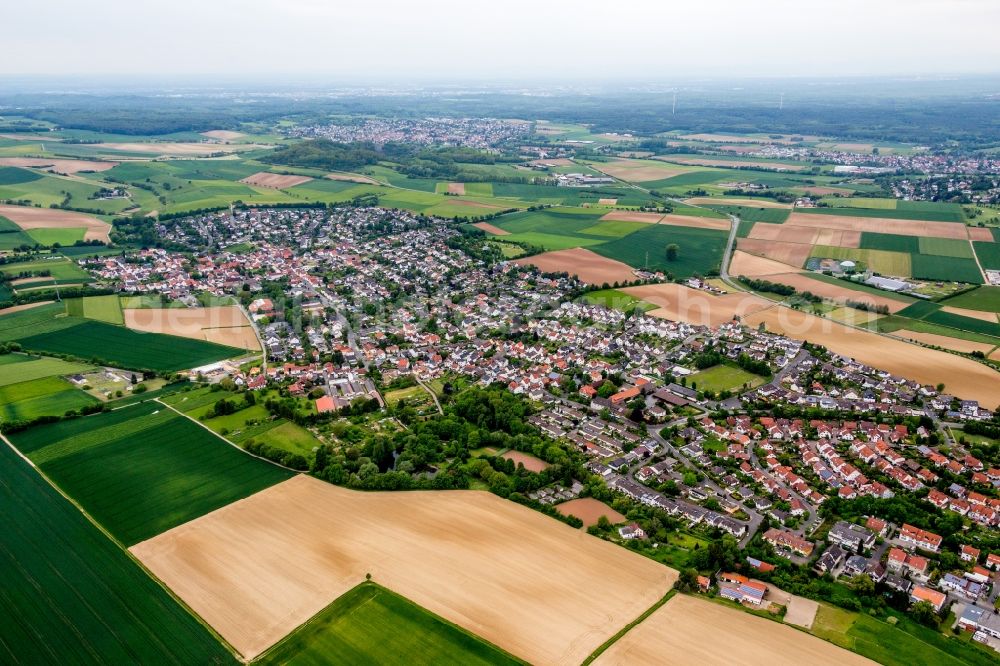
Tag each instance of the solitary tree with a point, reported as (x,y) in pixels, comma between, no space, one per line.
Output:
(672,251)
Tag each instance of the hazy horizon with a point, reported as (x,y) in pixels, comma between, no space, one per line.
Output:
(446,40)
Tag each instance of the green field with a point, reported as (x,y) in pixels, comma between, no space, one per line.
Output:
(59,268)
(142,470)
(949,269)
(945,247)
(932,312)
(890,242)
(769,215)
(985,299)
(950,213)
(988,253)
(50,237)
(372,625)
(700,249)
(78,597)
(905,644)
(48,396)
(618,300)
(48,329)
(22,368)
(723,378)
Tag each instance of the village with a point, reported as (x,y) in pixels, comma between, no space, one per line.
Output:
(352,300)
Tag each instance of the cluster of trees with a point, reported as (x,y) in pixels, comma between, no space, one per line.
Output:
(867,307)
(758,284)
(326,154)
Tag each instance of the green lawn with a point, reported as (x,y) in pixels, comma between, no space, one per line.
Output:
(26,368)
(142,470)
(905,644)
(619,300)
(724,378)
(984,299)
(47,396)
(78,597)
(372,625)
(59,268)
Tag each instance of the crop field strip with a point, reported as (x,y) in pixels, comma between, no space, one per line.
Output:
(80,598)
(46,396)
(141,470)
(370,624)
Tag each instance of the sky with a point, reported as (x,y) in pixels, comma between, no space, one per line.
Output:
(435,40)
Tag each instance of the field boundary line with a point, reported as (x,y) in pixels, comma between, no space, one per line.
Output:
(628,627)
(123,548)
(235,446)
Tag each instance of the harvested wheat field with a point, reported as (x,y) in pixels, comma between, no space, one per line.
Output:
(491,229)
(57,165)
(28,217)
(751,265)
(633,216)
(607,202)
(944,341)
(802,282)
(178,148)
(223,135)
(638,172)
(838,238)
(530,462)
(980,234)
(854,317)
(880,225)
(784,233)
(696,222)
(962,377)
(793,254)
(589,510)
(588,266)
(554,161)
(275,181)
(823,191)
(689,630)
(701,308)
(731,201)
(975,314)
(257,569)
(732,164)
(352,178)
(224,324)
(456,188)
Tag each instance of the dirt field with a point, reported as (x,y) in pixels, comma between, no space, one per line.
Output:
(980,234)
(589,266)
(57,165)
(975,314)
(223,135)
(962,377)
(28,217)
(175,148)
(456,188)
(732,201)
(838,238)
(680,303)
(633,216)
(258,568)
(607,202)
(801,611)
(26,306)
(490,229)
(964,346)
(744,263)
(822,191)
(734,164)
(638,172)
(223,324)
(880,225)
(793,254)
(834,292)
(530,462)
(589,510)
(688,630)
(696,222)
(353,178)
(554,161)
(275,181)
(784,233)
